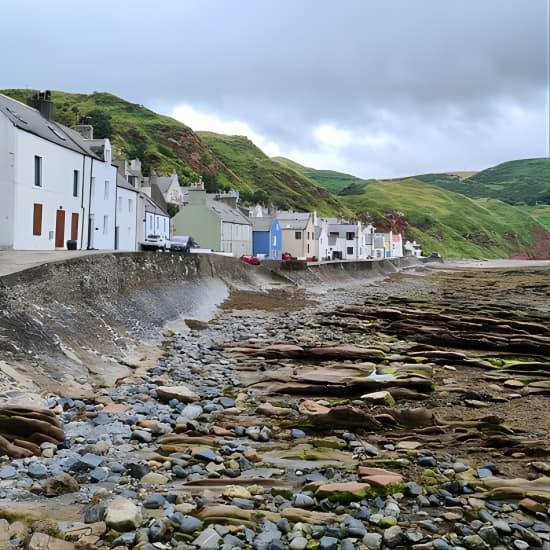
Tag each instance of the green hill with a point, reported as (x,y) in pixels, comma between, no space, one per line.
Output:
(541,214)
(524,181)
(332,181)
(450,223)
(268,179)
(165,144)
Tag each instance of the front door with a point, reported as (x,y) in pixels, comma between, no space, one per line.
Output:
(60,229)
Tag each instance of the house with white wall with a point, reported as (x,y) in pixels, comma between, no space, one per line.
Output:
(59,184)
(102,197)
(45,170)
(126,218)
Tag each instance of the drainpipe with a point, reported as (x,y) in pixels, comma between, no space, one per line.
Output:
(116,209)
(90,228)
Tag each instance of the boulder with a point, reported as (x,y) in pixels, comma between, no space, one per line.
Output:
(379,398)
(180,392)
(343,492)
(123,515)
(41,541)
(61,484)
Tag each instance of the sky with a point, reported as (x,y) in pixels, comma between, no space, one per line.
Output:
(376,88)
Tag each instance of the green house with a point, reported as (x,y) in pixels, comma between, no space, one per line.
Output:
(215,222)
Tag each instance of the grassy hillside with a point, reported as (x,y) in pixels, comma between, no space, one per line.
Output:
(332,181)
(541,214)
(450,223)
(268,179)
(516,182)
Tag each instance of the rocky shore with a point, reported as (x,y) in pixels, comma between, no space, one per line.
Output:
(408,414)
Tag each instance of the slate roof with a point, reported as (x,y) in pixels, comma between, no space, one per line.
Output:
(121,182)
(163,182)
(225,212)
(151,206)
(30,120)
(293,220)
(261,223)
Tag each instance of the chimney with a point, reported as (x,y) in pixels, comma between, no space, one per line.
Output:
(42,101)
(85,130)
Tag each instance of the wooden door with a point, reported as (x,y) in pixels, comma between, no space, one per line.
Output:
(60,229)
(74,227)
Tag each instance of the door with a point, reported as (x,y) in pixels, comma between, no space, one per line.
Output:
(74,227)
(60,229)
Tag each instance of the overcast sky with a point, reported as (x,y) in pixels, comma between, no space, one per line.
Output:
(377,88)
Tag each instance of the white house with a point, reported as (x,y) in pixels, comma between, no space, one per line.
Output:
(154,220)
(103,197)
(45,171)
(412,249)
(126,220)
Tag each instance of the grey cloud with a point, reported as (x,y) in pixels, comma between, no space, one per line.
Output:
(286,66)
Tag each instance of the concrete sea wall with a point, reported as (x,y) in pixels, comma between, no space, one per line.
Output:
(87,320)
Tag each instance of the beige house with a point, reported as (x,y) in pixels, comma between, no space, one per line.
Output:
(298,231)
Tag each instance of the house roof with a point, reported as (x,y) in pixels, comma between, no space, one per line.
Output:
(293,224)
(121,182)
(293,220)
(152,206)
(262,223)
(30,120)
(225,212)
(163,182)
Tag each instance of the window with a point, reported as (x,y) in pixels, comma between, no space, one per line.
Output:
(130,205)
(350,236)
(119,206)
(158,222)
(350,249)
(298,235)
(75,183)
(105,224)
(38,171)
(106,191)
(37,220)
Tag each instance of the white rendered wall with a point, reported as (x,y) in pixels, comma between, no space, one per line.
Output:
(55,194)
(103,205)
(7,166)
(126,218)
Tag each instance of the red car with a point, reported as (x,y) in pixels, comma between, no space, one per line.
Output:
(252,260)
(286,257)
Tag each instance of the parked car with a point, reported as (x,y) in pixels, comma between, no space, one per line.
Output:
(252,260)
(286,256)
(182,244)
(435,255)
(154,242)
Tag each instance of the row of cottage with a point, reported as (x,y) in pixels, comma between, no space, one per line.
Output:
(218,223)
(62,189)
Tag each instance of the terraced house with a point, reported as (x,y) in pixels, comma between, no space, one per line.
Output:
(58,188)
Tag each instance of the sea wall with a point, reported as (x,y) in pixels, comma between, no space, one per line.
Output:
(85,321)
